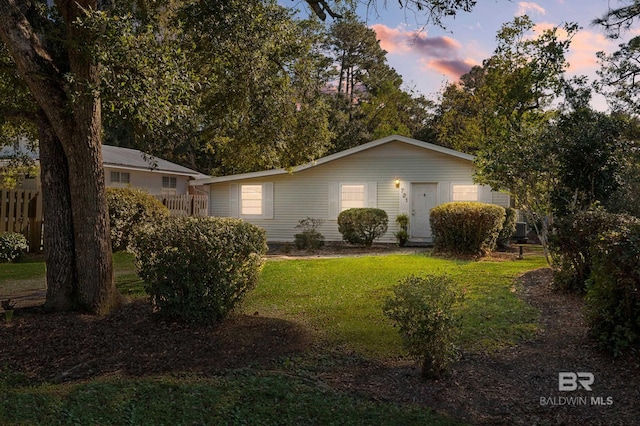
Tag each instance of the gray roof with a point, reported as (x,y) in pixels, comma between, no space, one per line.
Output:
(134,159)
(115,156)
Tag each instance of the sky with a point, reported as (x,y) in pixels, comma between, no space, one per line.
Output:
(430,58)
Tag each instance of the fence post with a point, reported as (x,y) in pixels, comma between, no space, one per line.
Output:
(35,223)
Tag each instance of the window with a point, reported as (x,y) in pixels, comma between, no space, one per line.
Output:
(251,200)
(120,177)
(352,196)
(464,192)
(169,182)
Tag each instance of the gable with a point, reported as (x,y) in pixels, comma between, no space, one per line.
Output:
(391,147)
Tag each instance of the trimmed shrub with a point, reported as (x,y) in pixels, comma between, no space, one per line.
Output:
(570,244)
(362,225)
(130,208)
(423,310)
(613,291)
(466,227)
(403,234)
(309,238)
(508,228)
(199,269)
(12,246)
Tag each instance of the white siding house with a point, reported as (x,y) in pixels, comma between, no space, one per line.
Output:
(396,174)
(126,167)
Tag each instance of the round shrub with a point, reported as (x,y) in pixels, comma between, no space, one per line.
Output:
(12,246)
(466,227)
(422,309)
(613,296)
(130,208)
(199,269)
(362,225)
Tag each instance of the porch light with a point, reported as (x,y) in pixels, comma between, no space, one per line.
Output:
(397,182)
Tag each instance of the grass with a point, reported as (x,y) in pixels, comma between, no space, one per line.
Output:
(28,275)
(25,275)
(339,299)
(239,397)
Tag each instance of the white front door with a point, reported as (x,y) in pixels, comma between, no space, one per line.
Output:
(424,197)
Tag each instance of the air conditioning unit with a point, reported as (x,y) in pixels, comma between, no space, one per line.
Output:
(521,232)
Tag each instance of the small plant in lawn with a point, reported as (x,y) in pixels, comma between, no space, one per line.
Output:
(8,305)
(310,238)
(403,234)
(422,307)
(362,225)
(12,246)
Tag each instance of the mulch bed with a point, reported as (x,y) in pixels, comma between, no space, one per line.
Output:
(502,388)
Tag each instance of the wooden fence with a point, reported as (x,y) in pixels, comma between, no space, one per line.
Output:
(21,211)
(186,205)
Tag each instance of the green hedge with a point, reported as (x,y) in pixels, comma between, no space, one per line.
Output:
(199,269)
(613,290)
(130,208)
(466,227)
(362,225)
(571,241)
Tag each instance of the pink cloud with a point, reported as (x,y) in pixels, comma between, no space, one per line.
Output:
(393,40)
(452,68)
(527,8)
(441,54)
(584,46)
(399,41)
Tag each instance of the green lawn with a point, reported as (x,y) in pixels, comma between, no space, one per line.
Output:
(236,398)
(28,275)
(339,300)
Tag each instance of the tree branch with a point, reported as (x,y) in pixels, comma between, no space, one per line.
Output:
(321,8)
(34,64)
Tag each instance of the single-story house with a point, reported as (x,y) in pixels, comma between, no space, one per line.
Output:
(126,167)
(395,173)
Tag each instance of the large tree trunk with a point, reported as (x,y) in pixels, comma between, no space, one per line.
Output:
(72,108)
(96,287)
(58,230)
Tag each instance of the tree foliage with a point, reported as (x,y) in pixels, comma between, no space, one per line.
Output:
(369,102)
(501,111)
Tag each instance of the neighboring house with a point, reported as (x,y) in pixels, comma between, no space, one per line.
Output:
(125,167)
(396,174)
